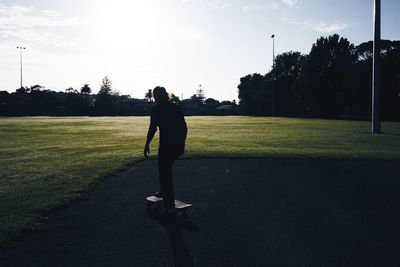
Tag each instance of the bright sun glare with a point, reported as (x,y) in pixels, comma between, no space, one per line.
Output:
(126,22)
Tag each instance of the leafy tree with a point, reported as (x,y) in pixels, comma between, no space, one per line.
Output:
(105,99)
(226,102)
(365,50)
(149,96)
(211,102)
(105,87)
(4,103)
(390,81)
(174,99)
(255,94)
(325,77)
(85,89)
(75,103)
(71,90)
(210,105)
(36,87)
(199,97)
(390,71)
(200,94)
(23,95)
(286,70)
(333,80)
(22,90)
(41,101)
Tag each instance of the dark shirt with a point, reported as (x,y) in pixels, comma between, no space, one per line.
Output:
(171,123)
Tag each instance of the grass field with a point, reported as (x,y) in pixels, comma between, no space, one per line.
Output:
(47,162)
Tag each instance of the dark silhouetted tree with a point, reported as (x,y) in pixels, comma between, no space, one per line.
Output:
(325,78)
(390,79)
(255,94)
(105,87)
(286,69)
(75,103)
(71,90)
(200,94)
(198,98)
(23,95)
(149,95)
(85,89)
(105,99)
(174,99)
(210,105)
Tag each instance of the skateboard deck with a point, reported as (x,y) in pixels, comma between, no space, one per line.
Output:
(154,206)
(178,204)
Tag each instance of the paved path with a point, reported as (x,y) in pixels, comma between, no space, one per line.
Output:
(247,212)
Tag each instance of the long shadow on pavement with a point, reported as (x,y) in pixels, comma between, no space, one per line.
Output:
(181,254)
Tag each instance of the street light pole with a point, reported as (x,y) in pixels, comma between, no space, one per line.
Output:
(273,50)
(273,76)
(20,60)
(376,116)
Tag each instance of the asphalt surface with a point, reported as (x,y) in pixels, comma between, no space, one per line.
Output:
(247,212)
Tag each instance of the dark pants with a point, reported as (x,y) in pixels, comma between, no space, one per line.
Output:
(165,161)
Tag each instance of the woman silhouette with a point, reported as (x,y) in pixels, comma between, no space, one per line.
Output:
(171,123)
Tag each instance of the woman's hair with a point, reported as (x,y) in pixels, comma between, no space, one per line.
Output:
(160,94)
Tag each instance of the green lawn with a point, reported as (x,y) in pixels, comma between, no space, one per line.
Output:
(47,162)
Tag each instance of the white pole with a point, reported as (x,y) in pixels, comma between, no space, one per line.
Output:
(20,61)
(273,76)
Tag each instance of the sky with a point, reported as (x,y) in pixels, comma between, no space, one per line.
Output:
(178,44)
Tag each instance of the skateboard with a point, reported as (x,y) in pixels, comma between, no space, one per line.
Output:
(155,204)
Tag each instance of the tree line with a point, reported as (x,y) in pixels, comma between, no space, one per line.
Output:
(333,81)
(38,101)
